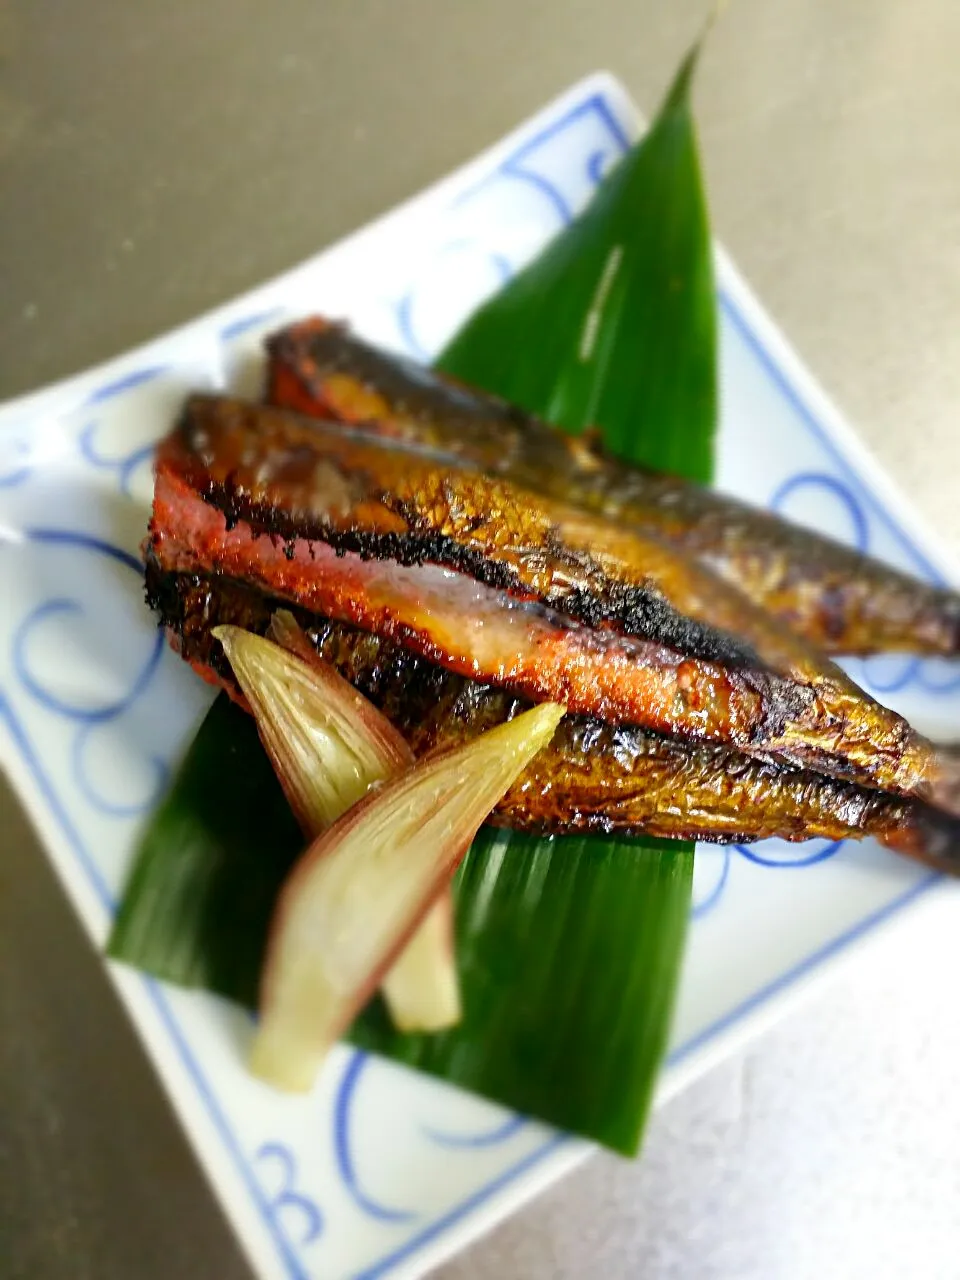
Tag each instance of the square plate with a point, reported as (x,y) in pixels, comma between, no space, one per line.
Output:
(382,1171)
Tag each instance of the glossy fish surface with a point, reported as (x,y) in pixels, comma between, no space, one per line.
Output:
(505,585)
(475,630)
(594,776)
(841,600)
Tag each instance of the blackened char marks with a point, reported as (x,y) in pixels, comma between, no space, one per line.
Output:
(594,776)
(588,594)
(839,730)
(638,611)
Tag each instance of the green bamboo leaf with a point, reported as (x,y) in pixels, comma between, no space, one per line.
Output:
(568,953)
(210,864)
(569,949)
(614,325)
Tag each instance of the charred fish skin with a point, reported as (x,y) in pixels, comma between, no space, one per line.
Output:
(594,776)
(838,598)
(303,483)
(290,478)
(450,619)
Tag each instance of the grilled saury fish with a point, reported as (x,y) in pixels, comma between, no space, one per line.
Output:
(504,585)
(594,776)
(841,600)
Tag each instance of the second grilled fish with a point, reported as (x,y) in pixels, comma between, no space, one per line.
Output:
(841,600)
(504,584)
(594,776)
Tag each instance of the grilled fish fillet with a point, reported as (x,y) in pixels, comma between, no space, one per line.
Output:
(504,585)
(841,600)
(594,776)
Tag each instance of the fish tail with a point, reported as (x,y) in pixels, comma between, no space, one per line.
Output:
(929,836)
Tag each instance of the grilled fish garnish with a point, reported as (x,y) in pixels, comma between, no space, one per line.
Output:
(505,585)
(594,776)
(843,601)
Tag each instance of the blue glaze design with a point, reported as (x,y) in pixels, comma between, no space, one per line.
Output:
(927,675)
(832,948)
(489,1138)
(343,1107)
(238,327)
(867,500)
(111,808)
(74,538)
(404,307)
(19,472)
(287,1201)
(891,673)
(521,167)
(152,988)
(597,167)
(792,855)
(700,909)
(87,718)
(515,168)
(50,609)
(14,478)
(888,673)
(502,265)
(81,714)
(124,466)
(836,489)
(393,1259)
(127,383)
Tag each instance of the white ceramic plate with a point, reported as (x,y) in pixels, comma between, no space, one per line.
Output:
(380,1171)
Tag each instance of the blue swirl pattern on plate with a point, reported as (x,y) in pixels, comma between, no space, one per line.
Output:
(346,1161)
(485,1138)
(86,718)
(541,168)
(15,467)
(286,1202)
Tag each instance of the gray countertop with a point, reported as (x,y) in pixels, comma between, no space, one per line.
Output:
(156,159)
